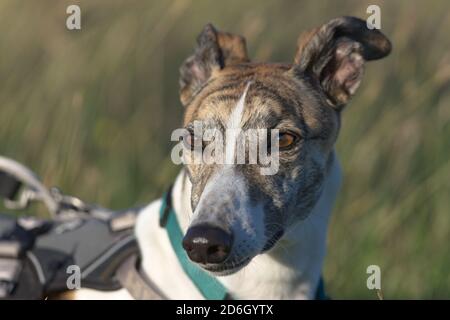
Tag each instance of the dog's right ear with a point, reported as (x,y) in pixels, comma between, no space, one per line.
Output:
(215,50)
(335,54)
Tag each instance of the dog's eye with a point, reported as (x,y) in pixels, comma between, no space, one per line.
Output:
(286,140)
(191,141)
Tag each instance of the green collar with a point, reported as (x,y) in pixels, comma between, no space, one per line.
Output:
(210,288)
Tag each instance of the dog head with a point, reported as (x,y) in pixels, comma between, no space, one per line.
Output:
(239,212)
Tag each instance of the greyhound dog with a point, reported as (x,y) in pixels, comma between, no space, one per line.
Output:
(260,236)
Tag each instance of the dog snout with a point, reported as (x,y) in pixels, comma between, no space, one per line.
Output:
(207,244)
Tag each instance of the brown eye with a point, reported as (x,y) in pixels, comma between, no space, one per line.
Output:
(286,140)
(190,141)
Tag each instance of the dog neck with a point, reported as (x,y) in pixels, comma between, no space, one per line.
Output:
(290,270)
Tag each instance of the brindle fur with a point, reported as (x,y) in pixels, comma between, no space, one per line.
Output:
(305,97)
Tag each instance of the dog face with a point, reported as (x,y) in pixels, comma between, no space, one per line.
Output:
(238,212)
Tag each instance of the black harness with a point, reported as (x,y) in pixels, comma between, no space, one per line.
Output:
(37,256)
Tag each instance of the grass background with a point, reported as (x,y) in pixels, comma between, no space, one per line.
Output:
(92,111)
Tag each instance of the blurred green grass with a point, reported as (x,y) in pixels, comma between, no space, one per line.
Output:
(92,111)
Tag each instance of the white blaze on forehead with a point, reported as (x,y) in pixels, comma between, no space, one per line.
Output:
(233,128)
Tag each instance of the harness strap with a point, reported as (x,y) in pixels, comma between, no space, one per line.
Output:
(320,293)
(138,285)
(210,288)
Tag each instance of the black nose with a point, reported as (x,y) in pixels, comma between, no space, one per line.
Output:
(207,244)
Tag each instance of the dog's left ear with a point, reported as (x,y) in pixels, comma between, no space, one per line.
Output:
(335,55)
(215,50)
